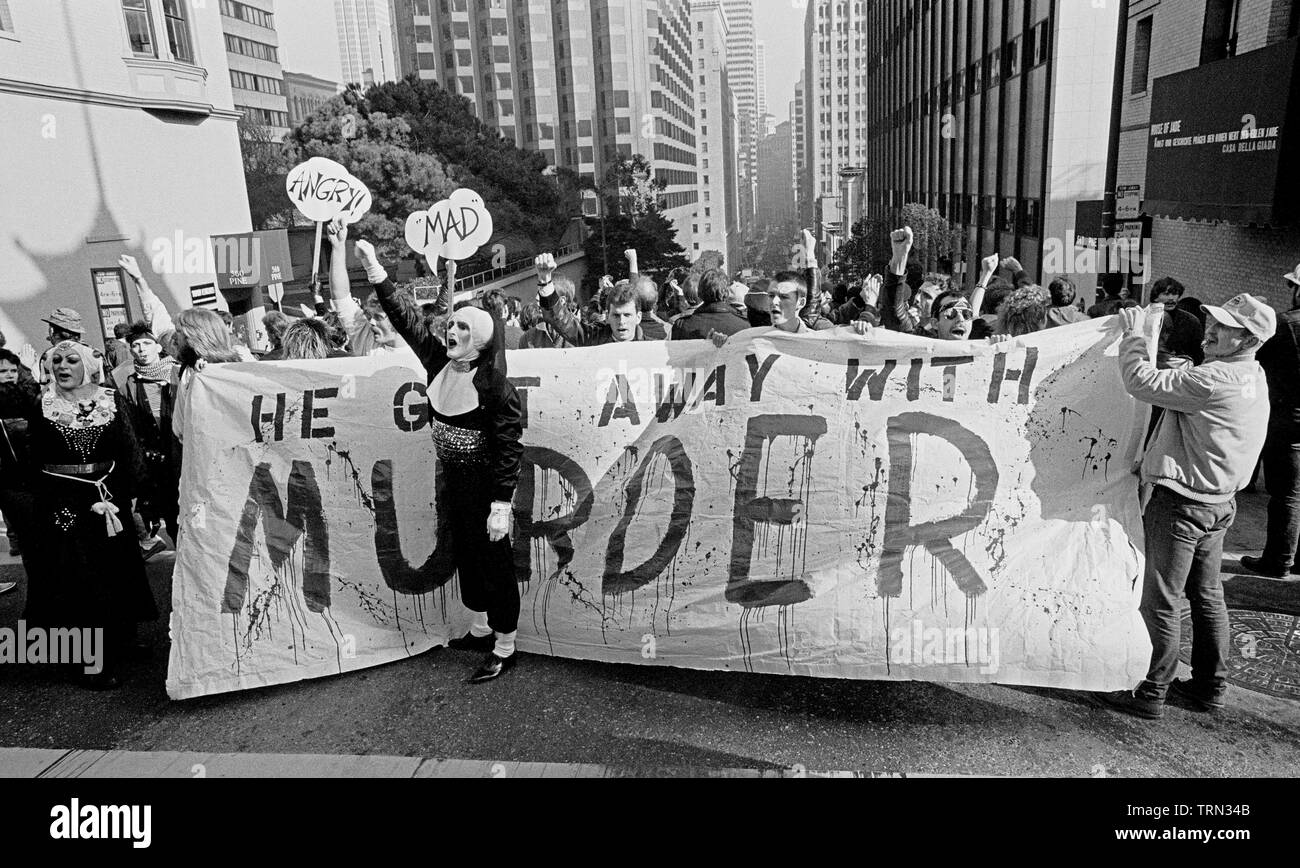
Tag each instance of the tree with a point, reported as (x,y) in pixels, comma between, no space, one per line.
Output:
(708,260)
(413,143)
(866,251)
(933,236)
(630,197)
(266,165)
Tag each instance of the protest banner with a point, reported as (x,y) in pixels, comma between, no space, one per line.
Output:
(824,505)
(455,228)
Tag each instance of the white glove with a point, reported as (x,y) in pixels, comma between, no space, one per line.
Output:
(498,523)
(375,272)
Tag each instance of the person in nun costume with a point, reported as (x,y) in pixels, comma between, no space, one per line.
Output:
(477,430)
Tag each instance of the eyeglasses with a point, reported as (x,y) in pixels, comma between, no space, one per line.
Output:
(953,312)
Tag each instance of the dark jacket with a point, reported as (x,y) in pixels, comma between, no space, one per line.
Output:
(540,337)
(1280,359)
(16,403)
(718,316)
(572,329)
(653,328)
(1109,307)
(1062,316)
(497,395)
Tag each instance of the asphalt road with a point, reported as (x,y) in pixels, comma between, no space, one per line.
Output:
(551,710)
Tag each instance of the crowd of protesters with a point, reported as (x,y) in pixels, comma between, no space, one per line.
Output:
(90,467)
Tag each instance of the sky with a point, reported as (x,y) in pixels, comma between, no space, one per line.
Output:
(309,43)
(780,24)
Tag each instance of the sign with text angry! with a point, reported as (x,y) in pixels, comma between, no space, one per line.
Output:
(322,189)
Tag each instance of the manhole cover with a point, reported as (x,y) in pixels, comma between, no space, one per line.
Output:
(1263,654)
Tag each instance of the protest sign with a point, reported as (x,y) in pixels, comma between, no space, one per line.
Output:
(455,228)
(824,505)
(321,190)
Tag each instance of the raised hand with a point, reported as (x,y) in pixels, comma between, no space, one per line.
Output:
(128,264)
(337,230)
(901,241)
(989,265)
(366,253)
(871,289)
(1134,320)
(545,265)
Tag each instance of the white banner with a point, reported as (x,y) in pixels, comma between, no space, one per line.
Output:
(824,505)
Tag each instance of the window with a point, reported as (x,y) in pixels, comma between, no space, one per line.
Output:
(139,27)
(1219,39)
(1142,55)
(178,31)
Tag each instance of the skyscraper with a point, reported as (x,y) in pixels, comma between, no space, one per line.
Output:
(1004,132)
(799,152)
(835,123)
(775,178)
(742,67)
(360,50)
(586,82)
(716,213)
(252,53)
(760,77)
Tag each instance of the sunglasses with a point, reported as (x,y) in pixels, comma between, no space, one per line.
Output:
(951,313)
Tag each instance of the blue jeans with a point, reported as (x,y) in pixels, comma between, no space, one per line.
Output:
(1282,479)
(1184,550)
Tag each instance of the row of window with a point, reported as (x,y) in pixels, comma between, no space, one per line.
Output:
(259,83)
(251,48)
(243,12)
(265,117)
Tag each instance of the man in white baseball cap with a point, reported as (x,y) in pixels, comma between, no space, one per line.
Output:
(1201,453)
(1280,358)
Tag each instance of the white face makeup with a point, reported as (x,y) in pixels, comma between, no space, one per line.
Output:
(68,367)
(460,340)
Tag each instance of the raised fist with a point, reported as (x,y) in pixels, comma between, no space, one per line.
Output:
(127,263)
(545,264)
(989,264)
(366,253)
(901,239)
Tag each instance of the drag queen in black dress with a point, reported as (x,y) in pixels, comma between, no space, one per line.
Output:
(477,428)
(86,466)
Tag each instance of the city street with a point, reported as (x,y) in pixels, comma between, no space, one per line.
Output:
(649,718)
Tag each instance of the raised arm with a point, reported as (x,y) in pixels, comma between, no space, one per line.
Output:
(153,311)
(894,301)
(633,267)
(988,267)
(1180,390)
(406,316)
(812,275)
(361,339)
(554,311)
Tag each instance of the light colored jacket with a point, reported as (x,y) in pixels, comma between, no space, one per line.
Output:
(1212,431)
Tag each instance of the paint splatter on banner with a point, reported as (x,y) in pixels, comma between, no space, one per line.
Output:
(828,505)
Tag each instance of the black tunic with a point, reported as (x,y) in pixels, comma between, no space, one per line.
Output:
(86,578)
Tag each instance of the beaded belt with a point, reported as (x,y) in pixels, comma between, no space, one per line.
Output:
(79,469)
(459,445)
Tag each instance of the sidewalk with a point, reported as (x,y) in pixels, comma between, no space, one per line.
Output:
(40,763)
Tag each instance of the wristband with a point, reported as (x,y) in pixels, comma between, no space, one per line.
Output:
(547,283)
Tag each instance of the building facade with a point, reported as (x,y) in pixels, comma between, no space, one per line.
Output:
(742,68)
(585,82)
(362,56)
(1204,64)
(994,114)
(253,55)
(836,39)
(799,147)
(714,225)
(306,94)
(124,140)
(776,207)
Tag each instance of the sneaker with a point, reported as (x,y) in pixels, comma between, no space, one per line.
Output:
(6,587)
(1130,703)
(1198,698)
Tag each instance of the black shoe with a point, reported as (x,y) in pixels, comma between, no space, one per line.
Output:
(470,642)
(1196,697)
(1130,703)
(1257,566)
(493,667)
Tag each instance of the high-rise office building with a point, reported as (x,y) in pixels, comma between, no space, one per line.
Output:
(799,152)
(361,50)
(253,55)
(718,209)
(742,67)
(776,178)
(997,121)
(760,78)
(836,39)
(585,82)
